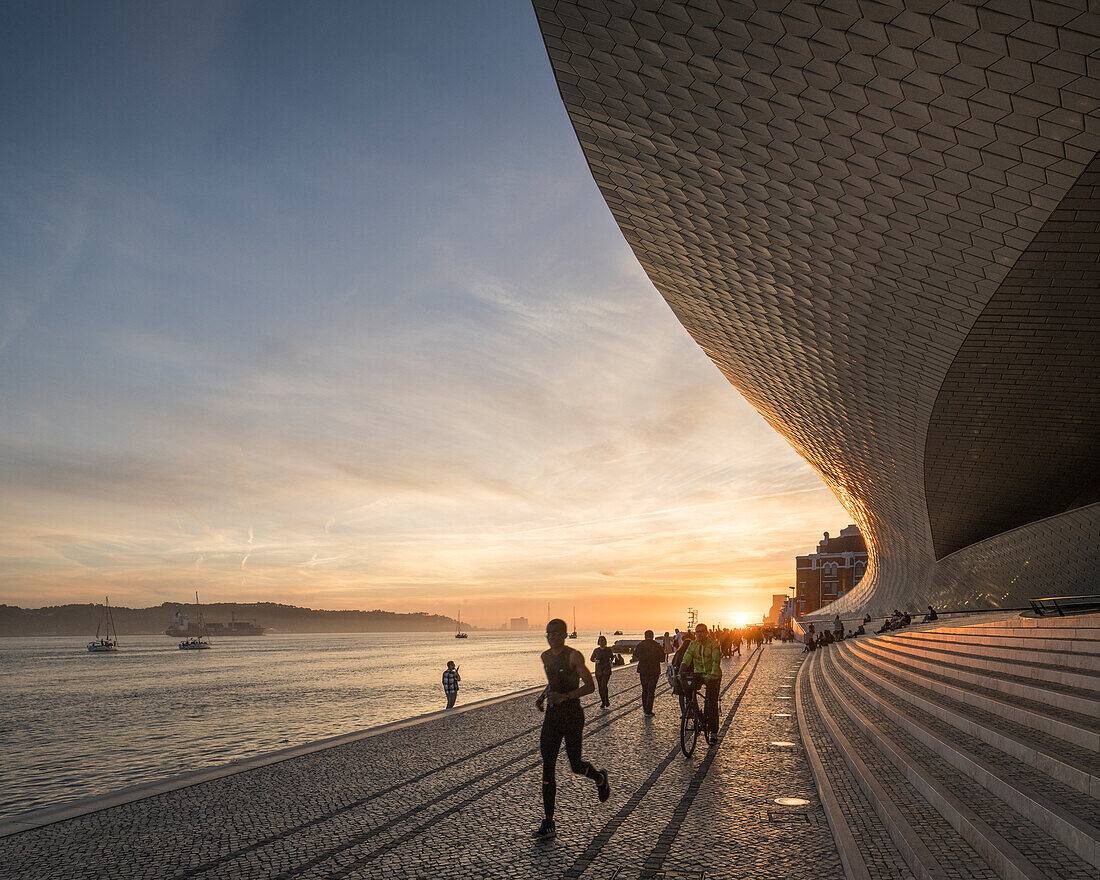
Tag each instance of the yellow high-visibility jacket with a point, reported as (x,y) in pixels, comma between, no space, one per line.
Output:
(704,657)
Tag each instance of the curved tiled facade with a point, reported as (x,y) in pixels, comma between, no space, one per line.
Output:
(881,220)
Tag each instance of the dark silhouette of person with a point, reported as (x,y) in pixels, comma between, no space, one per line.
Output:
(650,657)
(567,680)
(451,678)
(603,657)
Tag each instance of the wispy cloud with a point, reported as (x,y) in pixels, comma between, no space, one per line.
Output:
(278,337)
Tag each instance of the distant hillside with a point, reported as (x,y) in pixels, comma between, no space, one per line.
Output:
(69,620)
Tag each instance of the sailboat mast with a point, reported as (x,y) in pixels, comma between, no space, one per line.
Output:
(110,619)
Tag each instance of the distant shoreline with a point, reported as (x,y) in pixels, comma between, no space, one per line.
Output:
(82,620)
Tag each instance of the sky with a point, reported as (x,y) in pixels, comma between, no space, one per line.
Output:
(319,304)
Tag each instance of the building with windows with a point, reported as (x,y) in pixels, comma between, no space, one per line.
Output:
(837,566)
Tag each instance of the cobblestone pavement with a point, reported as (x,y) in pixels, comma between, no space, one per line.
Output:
(458,796)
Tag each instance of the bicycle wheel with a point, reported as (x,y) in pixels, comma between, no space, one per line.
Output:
(689,730)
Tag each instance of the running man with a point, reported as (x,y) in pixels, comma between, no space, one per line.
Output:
(565,671)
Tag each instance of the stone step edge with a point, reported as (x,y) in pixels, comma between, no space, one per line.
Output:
(1089,632)
(1075,703)
(1082,737)
(907,839)
(1087,681)
(1084,734)
(851,856)
(1088,624)
(1079,662)
(1090,638)
(997,852)
(1073,832)
(1086,661)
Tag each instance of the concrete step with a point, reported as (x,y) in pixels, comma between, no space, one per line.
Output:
(932,849)
(1063,811)
(1014,680)
(1077,626)
(1075,655)
(1014,661)
(864,844)
(1079,730)
(1008,840)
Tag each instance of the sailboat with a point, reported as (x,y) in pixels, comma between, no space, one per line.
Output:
(573,634)
(199,642)
(107,624)
(459,634)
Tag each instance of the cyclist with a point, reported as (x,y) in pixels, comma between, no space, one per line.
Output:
(703,660)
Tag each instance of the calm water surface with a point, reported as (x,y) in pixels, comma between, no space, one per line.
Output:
(74,724)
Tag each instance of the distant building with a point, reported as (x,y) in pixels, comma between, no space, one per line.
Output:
(774,613)
(518,624)
(836,567)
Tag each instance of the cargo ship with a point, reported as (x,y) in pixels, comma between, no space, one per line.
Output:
(183,627)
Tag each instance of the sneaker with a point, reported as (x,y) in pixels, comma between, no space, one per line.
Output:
(603,787)
(546,830)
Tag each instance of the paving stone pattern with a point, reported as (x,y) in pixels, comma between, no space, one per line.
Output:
(459,795)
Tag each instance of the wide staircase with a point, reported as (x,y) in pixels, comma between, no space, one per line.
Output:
(962,749)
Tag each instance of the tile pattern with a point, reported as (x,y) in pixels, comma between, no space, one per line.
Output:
(1012,438)
(829,195)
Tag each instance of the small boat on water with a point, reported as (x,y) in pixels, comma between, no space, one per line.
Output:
(617,632)
(199,642)
(459,634)
(573,634)
(108,642)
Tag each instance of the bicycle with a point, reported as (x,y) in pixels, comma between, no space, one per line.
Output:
(693,720)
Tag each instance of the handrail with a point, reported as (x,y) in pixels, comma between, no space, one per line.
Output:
(1063,605)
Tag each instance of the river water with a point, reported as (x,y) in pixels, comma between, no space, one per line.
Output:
(74,724)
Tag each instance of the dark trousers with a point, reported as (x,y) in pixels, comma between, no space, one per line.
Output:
(451,697)
(602,678)
(649,688)
(710,705)
(564,722)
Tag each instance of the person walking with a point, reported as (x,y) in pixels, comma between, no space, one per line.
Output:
(704,658)
(451,678)
(603,657)
(650,656)
(564,720)
(666,643)
(677,685)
